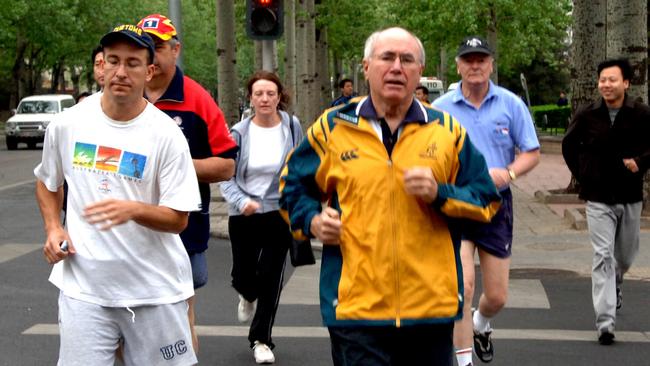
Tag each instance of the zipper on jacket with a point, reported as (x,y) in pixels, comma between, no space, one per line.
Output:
(393,224)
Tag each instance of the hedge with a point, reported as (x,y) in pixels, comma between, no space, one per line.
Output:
(556,117)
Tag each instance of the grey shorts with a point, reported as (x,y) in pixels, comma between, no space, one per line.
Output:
(151,335)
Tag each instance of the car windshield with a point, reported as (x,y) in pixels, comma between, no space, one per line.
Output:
(38,106)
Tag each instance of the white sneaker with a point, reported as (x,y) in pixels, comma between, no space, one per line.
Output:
(245,309)
(262,353)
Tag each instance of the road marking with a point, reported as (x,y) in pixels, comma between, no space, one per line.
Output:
(11,251)
(527,294)
(17,184)
(321,332)
(302,289)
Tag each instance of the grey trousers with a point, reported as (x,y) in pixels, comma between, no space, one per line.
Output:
(614,234)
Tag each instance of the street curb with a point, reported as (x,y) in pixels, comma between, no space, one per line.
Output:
(550,144)
(575,218)
(563,198)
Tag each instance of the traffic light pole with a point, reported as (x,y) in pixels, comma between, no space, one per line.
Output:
(267,55)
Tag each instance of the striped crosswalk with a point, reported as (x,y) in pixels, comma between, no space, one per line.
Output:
(302,289)
(321,332)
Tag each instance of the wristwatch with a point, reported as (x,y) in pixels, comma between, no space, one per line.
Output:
(512,174)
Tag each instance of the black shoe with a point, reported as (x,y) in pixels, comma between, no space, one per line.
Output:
(619,298)
(483,346)
(606,338)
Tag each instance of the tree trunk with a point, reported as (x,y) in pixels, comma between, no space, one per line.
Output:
(74,78)
(18,72)
(54,78)
(322,67)
(493,39)
(627,37)
(290,52)
(303,97)
(227,61)
(442,73)
(587,50)
(312,107)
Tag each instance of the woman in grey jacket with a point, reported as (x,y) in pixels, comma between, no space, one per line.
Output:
(259,237)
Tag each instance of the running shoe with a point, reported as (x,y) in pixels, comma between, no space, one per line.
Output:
(263,353)
(483,346)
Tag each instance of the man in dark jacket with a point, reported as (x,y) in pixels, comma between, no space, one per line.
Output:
(607,149)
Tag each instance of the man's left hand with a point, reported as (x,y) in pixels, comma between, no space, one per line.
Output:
(419,181)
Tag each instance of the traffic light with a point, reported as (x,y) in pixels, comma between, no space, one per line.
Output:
(264,19)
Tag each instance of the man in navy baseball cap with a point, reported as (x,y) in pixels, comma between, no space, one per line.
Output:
(474,44)
(133,34)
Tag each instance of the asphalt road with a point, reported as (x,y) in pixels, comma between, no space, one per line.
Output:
(549,319)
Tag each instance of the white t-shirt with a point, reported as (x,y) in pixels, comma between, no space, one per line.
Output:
(146,159)
(264,157)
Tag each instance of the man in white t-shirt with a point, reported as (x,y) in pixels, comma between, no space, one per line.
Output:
(123,272)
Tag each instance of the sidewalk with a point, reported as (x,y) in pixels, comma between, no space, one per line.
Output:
(542,238)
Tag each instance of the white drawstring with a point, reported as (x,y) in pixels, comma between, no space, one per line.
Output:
(132,314)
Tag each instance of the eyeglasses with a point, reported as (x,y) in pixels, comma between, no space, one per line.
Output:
(405,59)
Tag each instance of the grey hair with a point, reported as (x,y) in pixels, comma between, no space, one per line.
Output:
(370,43)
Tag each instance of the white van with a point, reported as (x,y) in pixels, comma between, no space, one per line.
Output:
(434,85)
(32,117)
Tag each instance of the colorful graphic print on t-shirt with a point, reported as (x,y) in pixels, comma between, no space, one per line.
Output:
(109,159)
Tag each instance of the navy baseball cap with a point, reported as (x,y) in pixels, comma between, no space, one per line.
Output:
(473,44)
(130,33)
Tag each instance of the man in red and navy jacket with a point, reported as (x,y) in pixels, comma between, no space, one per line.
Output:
(212,147)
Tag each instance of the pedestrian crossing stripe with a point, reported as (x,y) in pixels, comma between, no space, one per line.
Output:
(12,251)
(321,332)
(302,289)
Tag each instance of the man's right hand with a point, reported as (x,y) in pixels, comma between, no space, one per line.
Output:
(52,248)
(326,226)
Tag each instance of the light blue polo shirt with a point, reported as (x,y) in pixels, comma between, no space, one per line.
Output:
(497,127)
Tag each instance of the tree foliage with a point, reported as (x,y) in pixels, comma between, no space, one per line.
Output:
(44,35)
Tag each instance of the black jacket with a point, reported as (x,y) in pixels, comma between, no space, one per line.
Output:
(594,150)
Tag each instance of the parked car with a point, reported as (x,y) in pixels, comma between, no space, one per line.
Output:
(434,85)
(32,116)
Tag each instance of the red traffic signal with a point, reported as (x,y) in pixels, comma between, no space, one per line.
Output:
(264,19)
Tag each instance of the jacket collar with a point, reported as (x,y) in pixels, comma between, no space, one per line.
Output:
(627,103)
(174,92)
(458,93)
(415,113)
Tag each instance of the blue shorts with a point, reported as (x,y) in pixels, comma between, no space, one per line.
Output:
(199,269)
(494,237)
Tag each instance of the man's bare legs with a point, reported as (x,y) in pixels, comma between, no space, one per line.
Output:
(190,315)
(495,274)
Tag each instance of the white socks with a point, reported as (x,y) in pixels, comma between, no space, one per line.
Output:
(464,356)
(481,323)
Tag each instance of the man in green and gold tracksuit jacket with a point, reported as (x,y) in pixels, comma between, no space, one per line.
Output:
(397,195)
